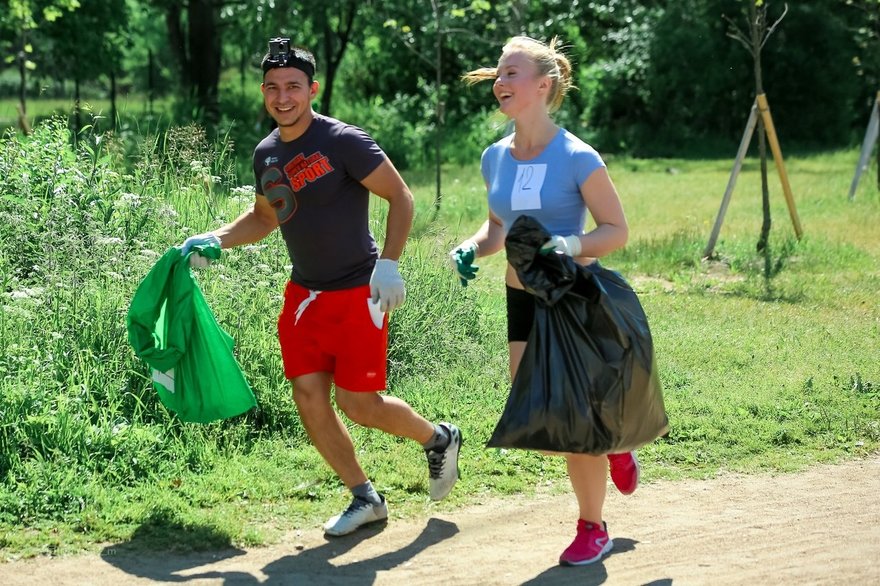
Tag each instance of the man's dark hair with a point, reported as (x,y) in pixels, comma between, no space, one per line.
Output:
(282,54)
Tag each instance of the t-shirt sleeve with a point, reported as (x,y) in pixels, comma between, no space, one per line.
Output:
(485,165)
(258,187)
(360,153)
(585,161)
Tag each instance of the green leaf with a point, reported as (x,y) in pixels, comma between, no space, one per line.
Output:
(52,13)
(15,199)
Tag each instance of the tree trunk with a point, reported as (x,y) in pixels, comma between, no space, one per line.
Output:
(151,83)
(22,73)
(758,25)
(177,42)
(204,62)
(330,74)
(335,44)
(242,71)
(113,112)
(438,139)
(77,119)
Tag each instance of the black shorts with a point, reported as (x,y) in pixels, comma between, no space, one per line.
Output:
(520,314)
(521,310)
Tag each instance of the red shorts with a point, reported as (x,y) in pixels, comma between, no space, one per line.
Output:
(340,332)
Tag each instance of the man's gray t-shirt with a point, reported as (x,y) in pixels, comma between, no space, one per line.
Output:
(313,183)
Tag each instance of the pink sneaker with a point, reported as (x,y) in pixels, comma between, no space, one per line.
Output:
(624,471)
(590,544)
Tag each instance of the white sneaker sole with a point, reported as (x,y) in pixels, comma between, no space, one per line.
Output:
(605,550)
(332,527)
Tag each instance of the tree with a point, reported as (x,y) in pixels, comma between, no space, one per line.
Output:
(18,24)
(195,39)
(336,25)
(445,20)
(866,32)
(754,42)
(867,35)
(85,57)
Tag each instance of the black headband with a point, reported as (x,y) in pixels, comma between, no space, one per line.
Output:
(282,55)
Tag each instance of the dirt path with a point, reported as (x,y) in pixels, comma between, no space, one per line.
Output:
(817,527)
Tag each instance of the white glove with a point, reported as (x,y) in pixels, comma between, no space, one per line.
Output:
(570,245)
(197,260)
(386,285)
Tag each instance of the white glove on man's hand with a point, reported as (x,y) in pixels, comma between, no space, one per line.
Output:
(206,239)
(386,285)
(570,245)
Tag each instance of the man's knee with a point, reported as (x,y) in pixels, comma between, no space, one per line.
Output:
(310,391)
(361,408)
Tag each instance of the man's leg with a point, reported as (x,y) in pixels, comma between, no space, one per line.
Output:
(311,393)
(442,442)
(328,433)
(384,412)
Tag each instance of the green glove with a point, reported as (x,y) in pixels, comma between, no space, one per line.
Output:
(461,259)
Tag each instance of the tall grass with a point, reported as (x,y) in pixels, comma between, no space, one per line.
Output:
(760,371)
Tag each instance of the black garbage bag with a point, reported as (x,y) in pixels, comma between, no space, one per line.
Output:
(588,381)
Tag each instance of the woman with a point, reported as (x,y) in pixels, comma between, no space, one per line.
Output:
(546,172)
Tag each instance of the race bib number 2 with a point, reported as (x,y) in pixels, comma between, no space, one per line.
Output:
(526,193)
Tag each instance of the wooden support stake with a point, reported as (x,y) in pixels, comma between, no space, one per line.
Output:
(867,146)
(737,165)
(764,107)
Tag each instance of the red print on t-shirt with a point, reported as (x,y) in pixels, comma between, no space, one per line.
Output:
(302,169)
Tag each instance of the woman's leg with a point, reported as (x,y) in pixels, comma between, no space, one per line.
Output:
(588,479)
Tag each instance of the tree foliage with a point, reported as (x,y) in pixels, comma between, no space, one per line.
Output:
(653,76)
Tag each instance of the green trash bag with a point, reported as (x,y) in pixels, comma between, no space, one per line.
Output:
(171,328)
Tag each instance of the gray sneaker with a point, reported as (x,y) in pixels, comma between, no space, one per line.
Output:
(443,466)
(359,513)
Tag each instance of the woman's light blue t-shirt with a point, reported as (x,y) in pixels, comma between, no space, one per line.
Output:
(546,187)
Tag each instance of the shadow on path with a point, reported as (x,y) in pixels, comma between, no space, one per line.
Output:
(590,575)
(139,557)
(312,566)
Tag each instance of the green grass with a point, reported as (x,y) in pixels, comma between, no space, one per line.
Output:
(760,373)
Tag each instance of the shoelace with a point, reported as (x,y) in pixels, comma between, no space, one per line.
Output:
(435,463)
(356,505)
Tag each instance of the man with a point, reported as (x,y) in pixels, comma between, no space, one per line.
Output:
(314,176)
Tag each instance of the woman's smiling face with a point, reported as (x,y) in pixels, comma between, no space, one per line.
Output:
(518,84)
